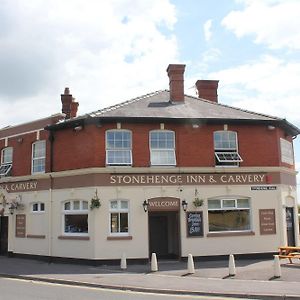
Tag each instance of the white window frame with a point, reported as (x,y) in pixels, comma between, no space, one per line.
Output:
(6,165)
(224,208)
(38,158)
(39,205)
(153,150)
(72,211)
(118,149)
(119,210)
(223,151)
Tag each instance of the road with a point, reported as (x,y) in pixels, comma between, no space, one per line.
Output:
(16,289)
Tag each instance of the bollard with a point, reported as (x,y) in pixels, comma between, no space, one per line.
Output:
(123,262)
(154,266)
(232,270)
(277,267)
(191,267)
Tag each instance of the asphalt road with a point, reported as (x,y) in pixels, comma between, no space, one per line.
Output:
(16,289)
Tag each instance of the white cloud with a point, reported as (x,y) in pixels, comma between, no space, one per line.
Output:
(274,23)
(105,51)
(207,30)
(269,85)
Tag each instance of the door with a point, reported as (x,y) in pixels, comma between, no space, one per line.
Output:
(290,226)
(158,235)
(3,235)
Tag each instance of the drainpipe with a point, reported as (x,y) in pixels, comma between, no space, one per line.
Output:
(50,237)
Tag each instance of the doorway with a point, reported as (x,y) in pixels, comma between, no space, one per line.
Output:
(164,234)
(3,235)
(290,226)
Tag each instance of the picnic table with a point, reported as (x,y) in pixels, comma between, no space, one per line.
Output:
(289,252)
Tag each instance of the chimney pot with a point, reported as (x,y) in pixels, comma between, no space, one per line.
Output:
(208,89)
(69,106)
(176,82)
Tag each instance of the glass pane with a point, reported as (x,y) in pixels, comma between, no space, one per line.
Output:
(163,157)
(76,205)
(225,140)
(76,223)
(213,204)
(243,203)
(229,220)
(114,204)
(114,224)
(7,155)
(124,204)
(39,149)
(35,207)
(123,222)
(85,205)
(42,207)
(38,165)
(67,206)
(229,203)
(118,157)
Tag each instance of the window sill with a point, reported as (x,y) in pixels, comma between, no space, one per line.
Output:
(35,236)
(226,234)
(119,238)
(76,237)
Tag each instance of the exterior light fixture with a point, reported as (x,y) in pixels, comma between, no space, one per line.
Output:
(78,128)
(184,205)
(145,205)
(12,208)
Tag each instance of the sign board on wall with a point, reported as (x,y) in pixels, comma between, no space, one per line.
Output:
(21,226)
(194,223)
(267,222)
(163,204)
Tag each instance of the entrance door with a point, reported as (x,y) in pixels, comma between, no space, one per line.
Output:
(3,235)
(290,226)
(163,234)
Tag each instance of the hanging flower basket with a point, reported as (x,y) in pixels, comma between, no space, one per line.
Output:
(198,202)
(95,201)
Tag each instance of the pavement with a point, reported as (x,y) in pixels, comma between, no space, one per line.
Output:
(254,279)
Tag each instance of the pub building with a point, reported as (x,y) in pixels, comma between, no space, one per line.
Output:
(164,172)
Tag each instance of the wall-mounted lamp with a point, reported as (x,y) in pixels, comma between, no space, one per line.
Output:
(20,140)
(271,127)
(184,205)
(145,205)
(78,128)
(13,206)
(195,126)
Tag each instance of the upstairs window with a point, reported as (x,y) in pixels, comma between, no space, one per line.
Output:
(162,148)
(118,147)
(38,157)
(6,161)
(229,215)
(226,152)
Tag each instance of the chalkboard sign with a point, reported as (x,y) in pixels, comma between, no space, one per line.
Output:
(20,226)
(194,222)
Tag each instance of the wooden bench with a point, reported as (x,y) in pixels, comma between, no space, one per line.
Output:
(289,252)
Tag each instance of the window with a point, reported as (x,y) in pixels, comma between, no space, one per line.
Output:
(38,157)
(38,207)
(226,152)
(287,153)
(229,215)
(6,161)
(75,217)
(118,147)
(119,217)
(162,148)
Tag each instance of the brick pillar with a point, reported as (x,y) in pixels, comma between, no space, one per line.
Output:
(69,106)
(208,89)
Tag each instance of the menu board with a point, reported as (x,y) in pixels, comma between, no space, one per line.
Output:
(20,226)
(194,221)
(267,221)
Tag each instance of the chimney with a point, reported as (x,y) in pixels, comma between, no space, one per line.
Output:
(208,89)
(69,106)
(176,83)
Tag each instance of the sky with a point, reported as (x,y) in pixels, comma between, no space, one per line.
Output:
(109,51)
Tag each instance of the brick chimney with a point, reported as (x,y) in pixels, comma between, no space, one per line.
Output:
(69,106)
(208,89)
(176,83)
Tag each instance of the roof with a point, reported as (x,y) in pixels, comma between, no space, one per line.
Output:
(156,106)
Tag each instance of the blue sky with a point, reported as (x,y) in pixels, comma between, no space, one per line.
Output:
(109,51)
